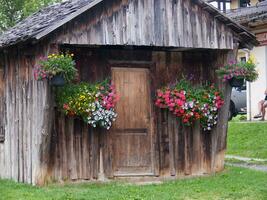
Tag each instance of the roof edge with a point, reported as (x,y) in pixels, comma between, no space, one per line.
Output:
(245,37)
(67,19)
(240,30)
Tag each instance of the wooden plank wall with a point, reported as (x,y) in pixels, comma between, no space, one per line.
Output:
(183,150)
(179,150)
(164,23)
(219,134)
(74,151)
(27,114)
(188,150)
(41,147)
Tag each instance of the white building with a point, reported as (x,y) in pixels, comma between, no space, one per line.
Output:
(254,18)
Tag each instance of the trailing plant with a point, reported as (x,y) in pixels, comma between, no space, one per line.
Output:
(191,103)
(211,101)
(240,70)
(56,64)
(93,103)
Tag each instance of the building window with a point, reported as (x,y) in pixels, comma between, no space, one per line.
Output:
(244,3)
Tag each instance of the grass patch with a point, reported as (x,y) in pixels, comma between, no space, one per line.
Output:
(239,118)
(247,139)
(234,183)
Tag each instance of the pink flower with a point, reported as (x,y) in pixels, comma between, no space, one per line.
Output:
(159,93)
(171,105)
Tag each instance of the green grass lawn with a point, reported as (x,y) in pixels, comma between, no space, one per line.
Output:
(244,139)
(247,139)
(234,183)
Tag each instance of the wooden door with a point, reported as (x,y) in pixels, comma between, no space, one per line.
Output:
(132,132)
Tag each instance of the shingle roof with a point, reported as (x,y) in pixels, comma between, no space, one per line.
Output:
(43,20)
(50,18)
(249,14)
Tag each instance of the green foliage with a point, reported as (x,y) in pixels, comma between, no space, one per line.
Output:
(243,118)
(13,11)
(31,6)
(61,64)
(77,99)
(10,13)
(250,67)
(183,84)
(233,184)
(247,139)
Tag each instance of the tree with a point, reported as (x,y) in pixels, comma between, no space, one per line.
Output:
(31,6)
(13,11)
(10,13)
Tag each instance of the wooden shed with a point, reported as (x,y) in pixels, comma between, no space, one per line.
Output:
(142,45)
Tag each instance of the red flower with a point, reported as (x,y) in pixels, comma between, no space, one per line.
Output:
(66,107)
(185,120)
(179,102)
(182,111)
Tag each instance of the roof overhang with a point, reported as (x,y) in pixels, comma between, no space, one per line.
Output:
(242,35)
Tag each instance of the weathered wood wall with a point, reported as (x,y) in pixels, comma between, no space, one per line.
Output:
(189,150)
(39,147)
(178,150)
(164,23)
(74,150)
(26,117)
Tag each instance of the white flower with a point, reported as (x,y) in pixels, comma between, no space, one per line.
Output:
(191,104)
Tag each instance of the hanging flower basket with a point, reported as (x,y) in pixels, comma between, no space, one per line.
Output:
(236,72)
(236,82)
(57,80)
(58,68)
(191,103)
(93,103)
